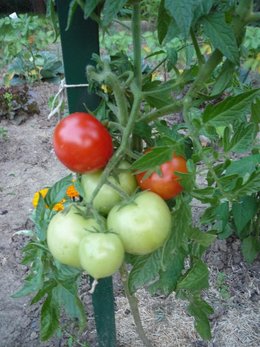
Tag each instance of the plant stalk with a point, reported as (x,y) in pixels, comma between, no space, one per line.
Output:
(163,111)
(200,57)
(133,303)
(119,154)
(137,44)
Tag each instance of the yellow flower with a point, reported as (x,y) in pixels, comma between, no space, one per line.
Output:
(36,197)
(72,192)
(59,206)
(43,192)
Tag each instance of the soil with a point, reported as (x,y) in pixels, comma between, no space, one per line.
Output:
(27,164)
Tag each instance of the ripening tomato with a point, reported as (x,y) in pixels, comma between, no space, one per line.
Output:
(166,184)
(143,224)
(108,197)
(64,233)
(82,143)
(101,254)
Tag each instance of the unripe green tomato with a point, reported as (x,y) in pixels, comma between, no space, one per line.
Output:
(142,225)
(101,254)
(108,197)
(64,233)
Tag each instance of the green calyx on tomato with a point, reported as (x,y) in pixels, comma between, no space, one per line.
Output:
(82,143)
(101,254)
(107,196)
(143,225)
(168,183)
(64,234)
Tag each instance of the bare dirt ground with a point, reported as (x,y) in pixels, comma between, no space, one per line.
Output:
(27,164)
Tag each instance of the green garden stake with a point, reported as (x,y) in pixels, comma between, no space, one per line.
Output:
(78,43)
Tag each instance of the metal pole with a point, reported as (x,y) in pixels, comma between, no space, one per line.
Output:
(78,43)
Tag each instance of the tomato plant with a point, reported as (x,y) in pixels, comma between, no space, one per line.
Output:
(101,254)
(143,224)
(190,102)
(108,196)
(82,143)
(166,183)
(64,233)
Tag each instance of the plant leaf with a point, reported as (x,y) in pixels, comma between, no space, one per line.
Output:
(243,211)
(221,35)
(243,166)
(58,191)
(111,8)
(50,314)
(182,12)
(163,22)
(250,248)
(242,140)
(145,269)
(200,310)
(155,157)
(231,109)
(89,7)
(196,278)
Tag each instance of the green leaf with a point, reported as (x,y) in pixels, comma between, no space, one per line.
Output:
(111,9)
(46,289)
(143,130)
(72,9)
(243,211)
(155,157)
(34,280)
(172,58)
(89,7)
(145,269)
(174,251)
(224,78)
(202,238)
(66,296)
(39,218)
(244,166)
(250,248)
(163,22)
(169,274)
(182,12)
(242,140)
(203,8)
(231,109)
(58,191)
(50,314)
(205,195)
(200,310)
(255,113)
(196,278)
(251,186)
(221,35)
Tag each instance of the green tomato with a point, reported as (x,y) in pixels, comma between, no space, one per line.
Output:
(108,197)
(143,225)
(64,233)
(101,254)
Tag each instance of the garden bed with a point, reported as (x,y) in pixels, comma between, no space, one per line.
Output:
(28,163)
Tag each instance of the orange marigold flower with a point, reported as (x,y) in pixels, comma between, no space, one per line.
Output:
(36,197)
(59,206)
(72,192)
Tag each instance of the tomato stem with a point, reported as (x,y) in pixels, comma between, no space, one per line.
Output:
(200,57)
(133,303)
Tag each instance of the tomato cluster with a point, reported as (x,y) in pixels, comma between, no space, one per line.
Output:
(129,222)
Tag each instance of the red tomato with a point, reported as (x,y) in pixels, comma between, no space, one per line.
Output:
(82,143)
(167,185)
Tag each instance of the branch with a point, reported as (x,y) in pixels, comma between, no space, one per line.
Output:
(133,303)
(164,111)
(253,17)
(200,57)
